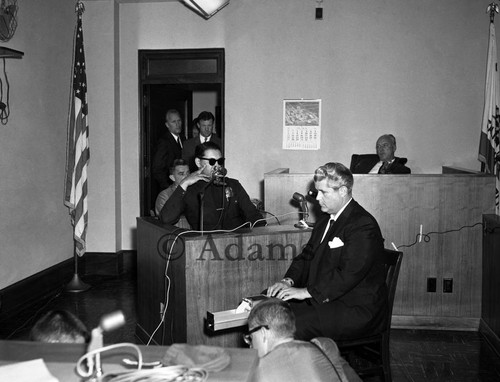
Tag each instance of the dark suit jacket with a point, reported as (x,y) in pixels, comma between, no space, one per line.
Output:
(190,146)
(347,283)
(225,207)
(167,151)
(363,163)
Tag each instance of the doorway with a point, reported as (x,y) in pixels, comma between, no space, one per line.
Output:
(188,80)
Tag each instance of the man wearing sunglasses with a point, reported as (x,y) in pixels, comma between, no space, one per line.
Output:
(208,199)
(271,325)
(336,286)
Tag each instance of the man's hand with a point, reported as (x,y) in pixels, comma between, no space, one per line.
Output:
(193,178)
(285,292)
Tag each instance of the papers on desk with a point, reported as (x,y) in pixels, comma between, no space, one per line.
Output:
(28,371)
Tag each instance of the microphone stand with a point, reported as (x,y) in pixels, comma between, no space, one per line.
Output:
(202,203)
(303,224)
(216,179)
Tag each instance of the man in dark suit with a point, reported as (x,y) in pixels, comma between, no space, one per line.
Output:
(169,148)
(336,286)
(205,123)
(384,162)
(226,204)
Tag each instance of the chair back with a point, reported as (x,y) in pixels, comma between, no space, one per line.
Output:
(392,261)
(357,158)
(364,160)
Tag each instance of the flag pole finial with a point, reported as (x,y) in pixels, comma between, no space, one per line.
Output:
(79,7)
(492,9)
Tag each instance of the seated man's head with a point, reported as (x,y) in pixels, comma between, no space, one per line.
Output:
(270,323)
(333,182)
(59,326)
(179,170)
(209,156)
(386,147)
(206,123)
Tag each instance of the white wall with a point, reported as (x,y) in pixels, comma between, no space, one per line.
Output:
(35,230)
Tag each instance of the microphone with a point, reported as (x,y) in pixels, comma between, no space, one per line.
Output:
(108,322)
(218,175)
(305,210)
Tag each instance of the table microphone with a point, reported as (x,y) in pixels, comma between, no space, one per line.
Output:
(305,211)
(108,322)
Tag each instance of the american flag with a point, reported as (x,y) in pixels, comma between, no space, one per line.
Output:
(489,144)
(78,154)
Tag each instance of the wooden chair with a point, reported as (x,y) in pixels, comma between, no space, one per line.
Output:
(376,348)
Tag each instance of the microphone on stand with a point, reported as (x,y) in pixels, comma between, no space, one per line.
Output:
(108,322)
(217,178)
(305,211)
(218,175)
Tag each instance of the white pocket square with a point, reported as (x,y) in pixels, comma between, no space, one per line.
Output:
(335,243)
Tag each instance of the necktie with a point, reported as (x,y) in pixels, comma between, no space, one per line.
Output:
(179,143)
(328,226)
(384,168)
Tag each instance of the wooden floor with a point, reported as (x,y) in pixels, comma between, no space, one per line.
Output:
(417,355)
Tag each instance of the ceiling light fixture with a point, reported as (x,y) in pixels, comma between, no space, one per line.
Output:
(206,8)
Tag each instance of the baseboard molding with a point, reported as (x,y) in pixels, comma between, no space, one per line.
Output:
(435,323)
(490,336)
(32,289)
(108,264)
(50,281)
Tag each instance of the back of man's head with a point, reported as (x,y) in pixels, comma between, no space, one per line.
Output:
(59,326)
(276,314)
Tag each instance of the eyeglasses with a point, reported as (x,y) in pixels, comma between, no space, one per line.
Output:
(212,161)
(248,336)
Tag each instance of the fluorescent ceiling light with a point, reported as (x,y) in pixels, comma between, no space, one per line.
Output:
(206,8)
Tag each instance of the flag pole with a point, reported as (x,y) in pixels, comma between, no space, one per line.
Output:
(77,154)
(76,284)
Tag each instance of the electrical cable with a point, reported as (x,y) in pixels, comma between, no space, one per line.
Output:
(88,373)
(177,373)
(427,238)
(273,217)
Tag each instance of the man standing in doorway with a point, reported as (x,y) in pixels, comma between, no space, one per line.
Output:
(169,149)
(205,123)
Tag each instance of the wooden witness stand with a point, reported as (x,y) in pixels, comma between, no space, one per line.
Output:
(209,273)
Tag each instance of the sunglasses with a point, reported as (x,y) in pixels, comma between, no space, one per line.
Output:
(248,336)
(212,161)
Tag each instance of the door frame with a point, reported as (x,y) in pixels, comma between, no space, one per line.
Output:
(187,69)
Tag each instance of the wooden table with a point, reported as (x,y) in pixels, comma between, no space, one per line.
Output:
(61,359)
